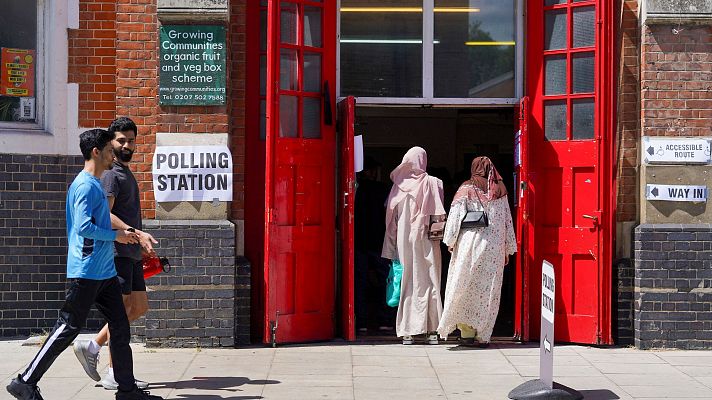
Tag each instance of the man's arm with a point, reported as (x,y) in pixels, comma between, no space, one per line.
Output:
(144,239)
(88,229)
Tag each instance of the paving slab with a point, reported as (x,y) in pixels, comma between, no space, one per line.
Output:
(370,371)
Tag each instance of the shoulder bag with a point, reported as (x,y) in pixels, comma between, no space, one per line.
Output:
(475,219)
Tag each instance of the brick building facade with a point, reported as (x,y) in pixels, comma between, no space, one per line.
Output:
(662,273)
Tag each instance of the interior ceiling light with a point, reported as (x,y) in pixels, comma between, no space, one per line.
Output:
(410,9)
(386,41)
(489,43)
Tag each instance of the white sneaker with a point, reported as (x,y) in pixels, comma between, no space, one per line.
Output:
(407,339)
(109,383)
(433,338)
(88,360)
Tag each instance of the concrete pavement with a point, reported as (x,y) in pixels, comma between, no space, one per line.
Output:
(365,371)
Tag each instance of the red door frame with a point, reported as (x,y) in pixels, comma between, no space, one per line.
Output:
(254,155)
(346,201)
(604,122)
(287,242)
(524,242)
(533,81)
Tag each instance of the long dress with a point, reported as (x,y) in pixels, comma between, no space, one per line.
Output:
(420,304)
(474,280)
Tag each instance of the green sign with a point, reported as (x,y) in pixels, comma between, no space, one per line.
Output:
(192,65)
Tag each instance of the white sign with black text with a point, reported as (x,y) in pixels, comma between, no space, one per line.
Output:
(192,173)
(692,193)
(673,150)
(546,347)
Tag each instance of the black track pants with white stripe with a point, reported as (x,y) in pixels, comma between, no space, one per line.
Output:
(82,293)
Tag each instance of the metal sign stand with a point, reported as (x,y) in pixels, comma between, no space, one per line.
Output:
(545,387)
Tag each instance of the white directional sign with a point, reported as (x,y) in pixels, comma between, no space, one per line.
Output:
(690,193)
(546,334)
(676,151)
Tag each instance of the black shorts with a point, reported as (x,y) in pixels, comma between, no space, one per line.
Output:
(130,273)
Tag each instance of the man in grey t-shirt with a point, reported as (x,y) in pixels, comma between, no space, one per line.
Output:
(122,193)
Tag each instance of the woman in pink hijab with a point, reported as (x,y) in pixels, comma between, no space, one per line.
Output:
(414,200)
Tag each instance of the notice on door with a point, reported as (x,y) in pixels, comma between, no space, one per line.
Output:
(17,72)
(192,173)
(692,193)
(192,63)
(676,151)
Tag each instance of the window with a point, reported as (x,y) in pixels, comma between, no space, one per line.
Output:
(430,51)
(20,89)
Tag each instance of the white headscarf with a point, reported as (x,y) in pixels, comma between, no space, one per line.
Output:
(410,178)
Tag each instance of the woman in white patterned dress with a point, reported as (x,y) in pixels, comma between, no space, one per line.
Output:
(474,280)
(414,200)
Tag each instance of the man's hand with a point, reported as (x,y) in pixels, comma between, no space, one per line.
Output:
(147,241)
(126,237)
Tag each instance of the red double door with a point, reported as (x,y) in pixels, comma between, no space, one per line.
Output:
(564,212)
(301,196)
(566,183)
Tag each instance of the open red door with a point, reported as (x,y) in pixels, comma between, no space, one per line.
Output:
(347,197)
(569,131)
(300,172)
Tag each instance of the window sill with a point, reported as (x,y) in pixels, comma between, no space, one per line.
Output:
(21,128)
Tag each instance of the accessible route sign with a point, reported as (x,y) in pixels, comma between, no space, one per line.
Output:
(192,65)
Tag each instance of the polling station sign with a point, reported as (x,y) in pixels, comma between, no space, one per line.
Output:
(192,173)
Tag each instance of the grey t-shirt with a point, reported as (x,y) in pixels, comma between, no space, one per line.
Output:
(120,183)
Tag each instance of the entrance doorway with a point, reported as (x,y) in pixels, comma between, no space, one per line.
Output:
(452,137)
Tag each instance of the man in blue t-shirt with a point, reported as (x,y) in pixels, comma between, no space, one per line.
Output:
(91,275)
(122,192)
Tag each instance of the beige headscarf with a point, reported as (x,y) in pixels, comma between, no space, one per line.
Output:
(486,178)
(410,178)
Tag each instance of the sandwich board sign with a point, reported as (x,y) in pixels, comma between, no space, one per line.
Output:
(546,337)
(544,387)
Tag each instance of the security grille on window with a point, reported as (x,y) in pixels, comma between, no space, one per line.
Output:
(18,61)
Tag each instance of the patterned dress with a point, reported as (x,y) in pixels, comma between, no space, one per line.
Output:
(474,280)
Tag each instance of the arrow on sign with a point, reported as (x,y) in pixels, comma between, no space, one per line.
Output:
(651,150)
(547,344)
(654,192)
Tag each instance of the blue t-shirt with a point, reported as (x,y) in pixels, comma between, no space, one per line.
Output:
(91,240)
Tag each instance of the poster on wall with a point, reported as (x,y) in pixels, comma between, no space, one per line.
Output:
(17,72)
(192,173)
(192,65)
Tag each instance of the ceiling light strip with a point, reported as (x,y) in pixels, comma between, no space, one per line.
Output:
(409,9)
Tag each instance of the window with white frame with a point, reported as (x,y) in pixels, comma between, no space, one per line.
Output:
(429,51)
(20,54)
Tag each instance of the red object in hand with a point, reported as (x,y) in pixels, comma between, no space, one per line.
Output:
(155,265)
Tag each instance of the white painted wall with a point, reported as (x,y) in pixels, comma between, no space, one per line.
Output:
(59,130)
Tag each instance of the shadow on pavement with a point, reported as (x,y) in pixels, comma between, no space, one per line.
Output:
(215,397)
(598,394)
(228,383)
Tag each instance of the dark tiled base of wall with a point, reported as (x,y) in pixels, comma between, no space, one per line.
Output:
(623,302)
(205,299)
(673,281)
(33,244)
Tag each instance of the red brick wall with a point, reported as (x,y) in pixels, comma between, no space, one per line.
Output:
(676,80)
(92,62)
(137,85)
(237,65)
(628,122)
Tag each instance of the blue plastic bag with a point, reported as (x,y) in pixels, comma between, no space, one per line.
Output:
(393,284)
